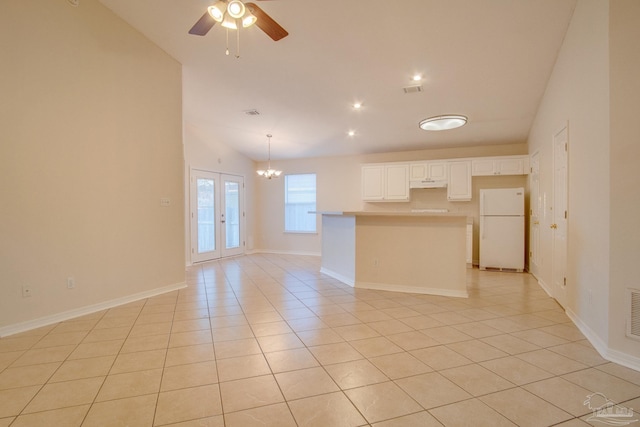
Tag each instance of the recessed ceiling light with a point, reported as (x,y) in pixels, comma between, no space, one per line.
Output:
(357,105)
(443,122)
(351,133)
(416,77)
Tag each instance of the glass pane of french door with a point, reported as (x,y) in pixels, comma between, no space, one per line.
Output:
(206,215)
(233,238)
(204,207)
(216,215)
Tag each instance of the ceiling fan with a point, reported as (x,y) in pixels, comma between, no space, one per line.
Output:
(234,13)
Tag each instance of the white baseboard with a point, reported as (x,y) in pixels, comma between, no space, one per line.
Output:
(83,311)
(594,339)
(624,359)
(412,289)
(601,347)
(344,279)
(544,286)
(278,252)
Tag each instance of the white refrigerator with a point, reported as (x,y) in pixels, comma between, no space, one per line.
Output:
(502,229)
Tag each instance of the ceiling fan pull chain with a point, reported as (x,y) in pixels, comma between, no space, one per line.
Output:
(238,43)
(227,51)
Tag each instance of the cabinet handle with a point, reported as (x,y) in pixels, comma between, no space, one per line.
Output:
(554,226)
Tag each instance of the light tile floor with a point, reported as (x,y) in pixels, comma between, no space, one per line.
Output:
(267,340)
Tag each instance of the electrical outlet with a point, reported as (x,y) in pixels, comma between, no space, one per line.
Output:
(165,202)
(376,263)
(71,283)
(26,291)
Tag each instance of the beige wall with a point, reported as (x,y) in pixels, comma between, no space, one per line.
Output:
(594,87)
(578,93)
(338,186)
(624,197)
(90,140)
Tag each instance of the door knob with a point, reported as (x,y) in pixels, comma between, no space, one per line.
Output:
(554,226)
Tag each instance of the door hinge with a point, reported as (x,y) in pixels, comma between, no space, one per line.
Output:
(565,214)
(565,146)
(565,281)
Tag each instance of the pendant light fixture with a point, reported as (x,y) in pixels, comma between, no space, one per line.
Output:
(269,173)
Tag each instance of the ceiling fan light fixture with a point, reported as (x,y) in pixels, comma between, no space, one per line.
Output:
(248,20)
(236,9)
(217,11)
(229,22)
(439,123)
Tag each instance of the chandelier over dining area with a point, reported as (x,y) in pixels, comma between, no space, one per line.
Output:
(269,173)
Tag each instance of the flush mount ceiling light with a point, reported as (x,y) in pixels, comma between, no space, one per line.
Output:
(443,122)
(269,173)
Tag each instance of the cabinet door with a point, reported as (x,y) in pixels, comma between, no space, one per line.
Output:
(459,187)
(438,171)
(373,182)
(418,171)
(510,166)
(396,182)
(483,167)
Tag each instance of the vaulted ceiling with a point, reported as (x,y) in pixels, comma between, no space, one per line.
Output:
(489,60)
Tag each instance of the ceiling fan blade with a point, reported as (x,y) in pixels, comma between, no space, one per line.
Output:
(266,23)
(204,24)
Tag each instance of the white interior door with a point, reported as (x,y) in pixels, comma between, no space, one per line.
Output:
(559,216)
(535,205)
(216,205)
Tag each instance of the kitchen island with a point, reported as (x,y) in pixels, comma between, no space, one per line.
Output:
(413,252)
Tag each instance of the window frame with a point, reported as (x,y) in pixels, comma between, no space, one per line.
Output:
(286,204)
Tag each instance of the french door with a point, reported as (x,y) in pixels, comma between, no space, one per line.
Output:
(216,215)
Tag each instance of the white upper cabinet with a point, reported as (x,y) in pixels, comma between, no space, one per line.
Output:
(486,166)
(385,182)
(459,188)
(373,182)
(390,182)
(432,171)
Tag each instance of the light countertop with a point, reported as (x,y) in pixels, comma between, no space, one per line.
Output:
(392,213)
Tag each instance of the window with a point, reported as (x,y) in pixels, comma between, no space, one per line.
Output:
(299,199)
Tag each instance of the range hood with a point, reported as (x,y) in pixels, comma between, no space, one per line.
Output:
(427,183)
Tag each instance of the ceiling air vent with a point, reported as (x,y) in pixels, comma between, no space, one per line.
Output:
(633,322)
(253,112)
(413,89)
